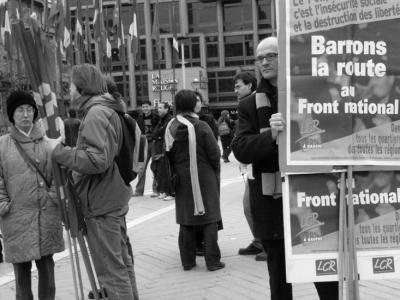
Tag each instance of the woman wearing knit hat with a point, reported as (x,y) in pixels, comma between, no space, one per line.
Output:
(29,216)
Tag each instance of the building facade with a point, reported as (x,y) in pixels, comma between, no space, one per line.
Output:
(219,38)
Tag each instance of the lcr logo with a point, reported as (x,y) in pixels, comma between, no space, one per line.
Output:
(326,267)
(383,264)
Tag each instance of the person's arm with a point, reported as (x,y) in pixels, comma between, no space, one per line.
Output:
(4,199)
(98,148)
(211,146)
(249,145)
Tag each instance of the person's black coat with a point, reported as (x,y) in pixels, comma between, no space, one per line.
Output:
(259,149)
(208,164)
(209,119)
(158,134)
(154,121)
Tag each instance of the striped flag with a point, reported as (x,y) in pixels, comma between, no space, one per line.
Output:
(108,48)
(133,31)
(156,30)
(40,64)
(57,19)
(7,33)
(79,41)
(67,42)
(88,36)
(98,26)
(120,34)
(175,43)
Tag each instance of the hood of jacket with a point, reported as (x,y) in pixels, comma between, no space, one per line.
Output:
(84,103)
(179,131)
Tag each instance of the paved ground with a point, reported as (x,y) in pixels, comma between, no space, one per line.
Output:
(153,231)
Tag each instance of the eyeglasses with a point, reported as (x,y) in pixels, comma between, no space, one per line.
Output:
(268,57)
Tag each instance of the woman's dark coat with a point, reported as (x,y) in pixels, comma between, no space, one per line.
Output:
(208,164)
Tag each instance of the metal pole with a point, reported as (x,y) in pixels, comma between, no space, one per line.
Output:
(342,229)
(183,66)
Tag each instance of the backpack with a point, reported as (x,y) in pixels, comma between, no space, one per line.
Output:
(133,150)
(223,128)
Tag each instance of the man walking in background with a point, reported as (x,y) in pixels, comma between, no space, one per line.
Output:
(158,154)
(245,84)
(147,120)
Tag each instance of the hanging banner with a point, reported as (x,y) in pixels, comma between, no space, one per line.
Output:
(311,217)
(341,84)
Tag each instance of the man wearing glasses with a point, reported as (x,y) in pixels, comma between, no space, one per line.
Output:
(255,143)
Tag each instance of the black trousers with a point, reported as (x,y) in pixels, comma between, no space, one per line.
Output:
(280,289)
(187,244)
(23,282)
(1,252)
(226,145)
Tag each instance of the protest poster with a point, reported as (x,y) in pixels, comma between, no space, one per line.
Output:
(340,83)
(311,217)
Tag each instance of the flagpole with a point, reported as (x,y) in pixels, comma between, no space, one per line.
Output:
(159,49)
(173,76)
(174,39)
(122,37)
(183,66)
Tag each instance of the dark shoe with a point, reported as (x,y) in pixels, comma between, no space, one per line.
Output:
(262,256)
(136,194)
(249,250)
(216,267)
(91,295)
(200,252)
(188,268)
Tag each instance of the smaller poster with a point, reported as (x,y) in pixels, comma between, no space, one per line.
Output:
(311,215)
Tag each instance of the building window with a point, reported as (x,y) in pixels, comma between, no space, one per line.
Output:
(212,51)
(141,88)
(168,16)
(192,52)
(141,56)
(127,17)
(158,54)
(220,86)
(264,8)
(239,50)
(238,16)
(202,17)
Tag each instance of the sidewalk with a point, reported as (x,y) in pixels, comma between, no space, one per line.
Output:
(154,235)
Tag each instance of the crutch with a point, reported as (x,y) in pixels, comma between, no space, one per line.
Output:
(75,225)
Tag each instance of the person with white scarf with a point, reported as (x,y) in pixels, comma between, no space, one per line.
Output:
(194,156)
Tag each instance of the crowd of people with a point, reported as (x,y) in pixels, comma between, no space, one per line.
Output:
(182,145)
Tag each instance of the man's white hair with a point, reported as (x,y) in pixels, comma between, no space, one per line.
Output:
(270,43)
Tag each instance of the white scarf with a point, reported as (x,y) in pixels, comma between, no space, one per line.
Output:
(194,175)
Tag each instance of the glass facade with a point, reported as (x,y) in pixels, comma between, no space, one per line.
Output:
(221,38)
(202,17)
(237,16)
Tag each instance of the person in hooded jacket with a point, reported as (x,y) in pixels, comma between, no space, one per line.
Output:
(102,191)
(29,216)
(195,160)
